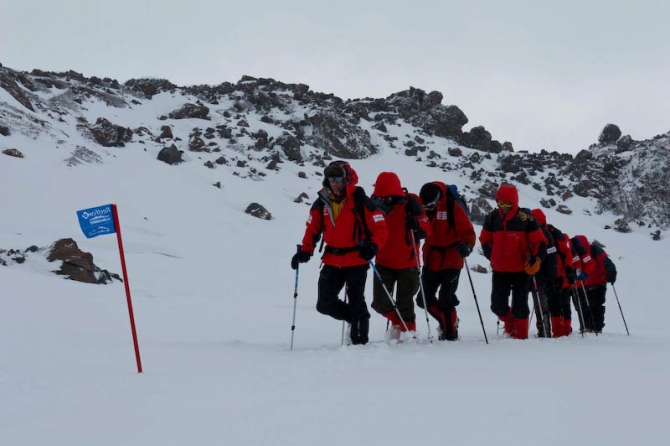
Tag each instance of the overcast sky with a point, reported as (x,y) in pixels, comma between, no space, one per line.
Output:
(539,74)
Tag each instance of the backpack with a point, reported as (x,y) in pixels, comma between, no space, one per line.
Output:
(557,234)
(550,262)
(579,249)
(453,197)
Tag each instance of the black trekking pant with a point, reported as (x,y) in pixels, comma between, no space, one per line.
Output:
(540,297)
(555,296)
(503,285)
(594,311)
(543,298)
(566,300)
(408,284)
(447,282)
(331,281)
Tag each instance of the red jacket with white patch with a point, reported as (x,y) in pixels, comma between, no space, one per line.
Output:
(439,250)
(343,232)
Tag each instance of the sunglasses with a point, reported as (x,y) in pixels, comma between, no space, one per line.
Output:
(504,204)
(336,179)
(432,205)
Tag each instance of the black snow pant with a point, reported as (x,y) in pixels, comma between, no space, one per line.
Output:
(543,297)
(503,285)
(544,293)
(566,301)
(594,308)
(447,282)
(556,303)
(355,310)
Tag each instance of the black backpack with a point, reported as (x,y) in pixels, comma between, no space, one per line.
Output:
(454,197)
(557,234)
(550,262)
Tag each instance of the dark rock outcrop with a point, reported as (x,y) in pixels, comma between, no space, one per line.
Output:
(170,155)
(110,135)
(13,152)
(198,111)
(610,134)
(76,264)
(258,211)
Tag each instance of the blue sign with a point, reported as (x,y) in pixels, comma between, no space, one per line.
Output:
(97,221)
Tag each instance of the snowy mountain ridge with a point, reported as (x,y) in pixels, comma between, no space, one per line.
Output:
(251,128)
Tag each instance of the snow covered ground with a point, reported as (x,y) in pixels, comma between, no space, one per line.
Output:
(213,299)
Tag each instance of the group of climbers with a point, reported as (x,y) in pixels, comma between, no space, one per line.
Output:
(526,255)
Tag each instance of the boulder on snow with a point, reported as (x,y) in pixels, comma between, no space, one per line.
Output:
(76,264)
(258,211)
(170,155)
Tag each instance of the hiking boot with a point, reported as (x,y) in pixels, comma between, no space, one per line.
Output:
(508,321)
(359,331)
(520,329)
(393,333)
(557,326)
(450,332)
(443,336)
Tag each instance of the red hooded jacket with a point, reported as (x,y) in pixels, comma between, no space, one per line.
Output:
(509,240)
(398,252)
(439,250)
(344,232)
(565,255)
(594,264)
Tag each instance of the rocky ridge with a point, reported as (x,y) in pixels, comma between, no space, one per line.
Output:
(271,122)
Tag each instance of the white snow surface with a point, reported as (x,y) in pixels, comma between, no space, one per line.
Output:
(212,293)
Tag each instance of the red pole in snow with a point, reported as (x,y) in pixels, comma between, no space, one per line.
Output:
(117,226)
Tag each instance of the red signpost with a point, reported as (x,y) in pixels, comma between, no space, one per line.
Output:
(125,283)
(103,220)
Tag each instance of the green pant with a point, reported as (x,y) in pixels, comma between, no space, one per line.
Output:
(407,281)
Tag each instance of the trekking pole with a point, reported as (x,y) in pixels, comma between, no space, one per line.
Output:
(388,321)
(536,297)
(423,295)
(532,313)
(467,268)
(343,321)
(395,307)
(295,299)
(588,305)
(620,310)
(578,306)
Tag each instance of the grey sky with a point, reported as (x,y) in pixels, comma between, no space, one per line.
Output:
(537,73)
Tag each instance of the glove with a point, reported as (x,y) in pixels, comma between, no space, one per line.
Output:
(611,277)
(300,257)
(580,275)
(486,249)
(533,266)
(525,216)
(570,275)
(463,249)
(368,250)
(412,223)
